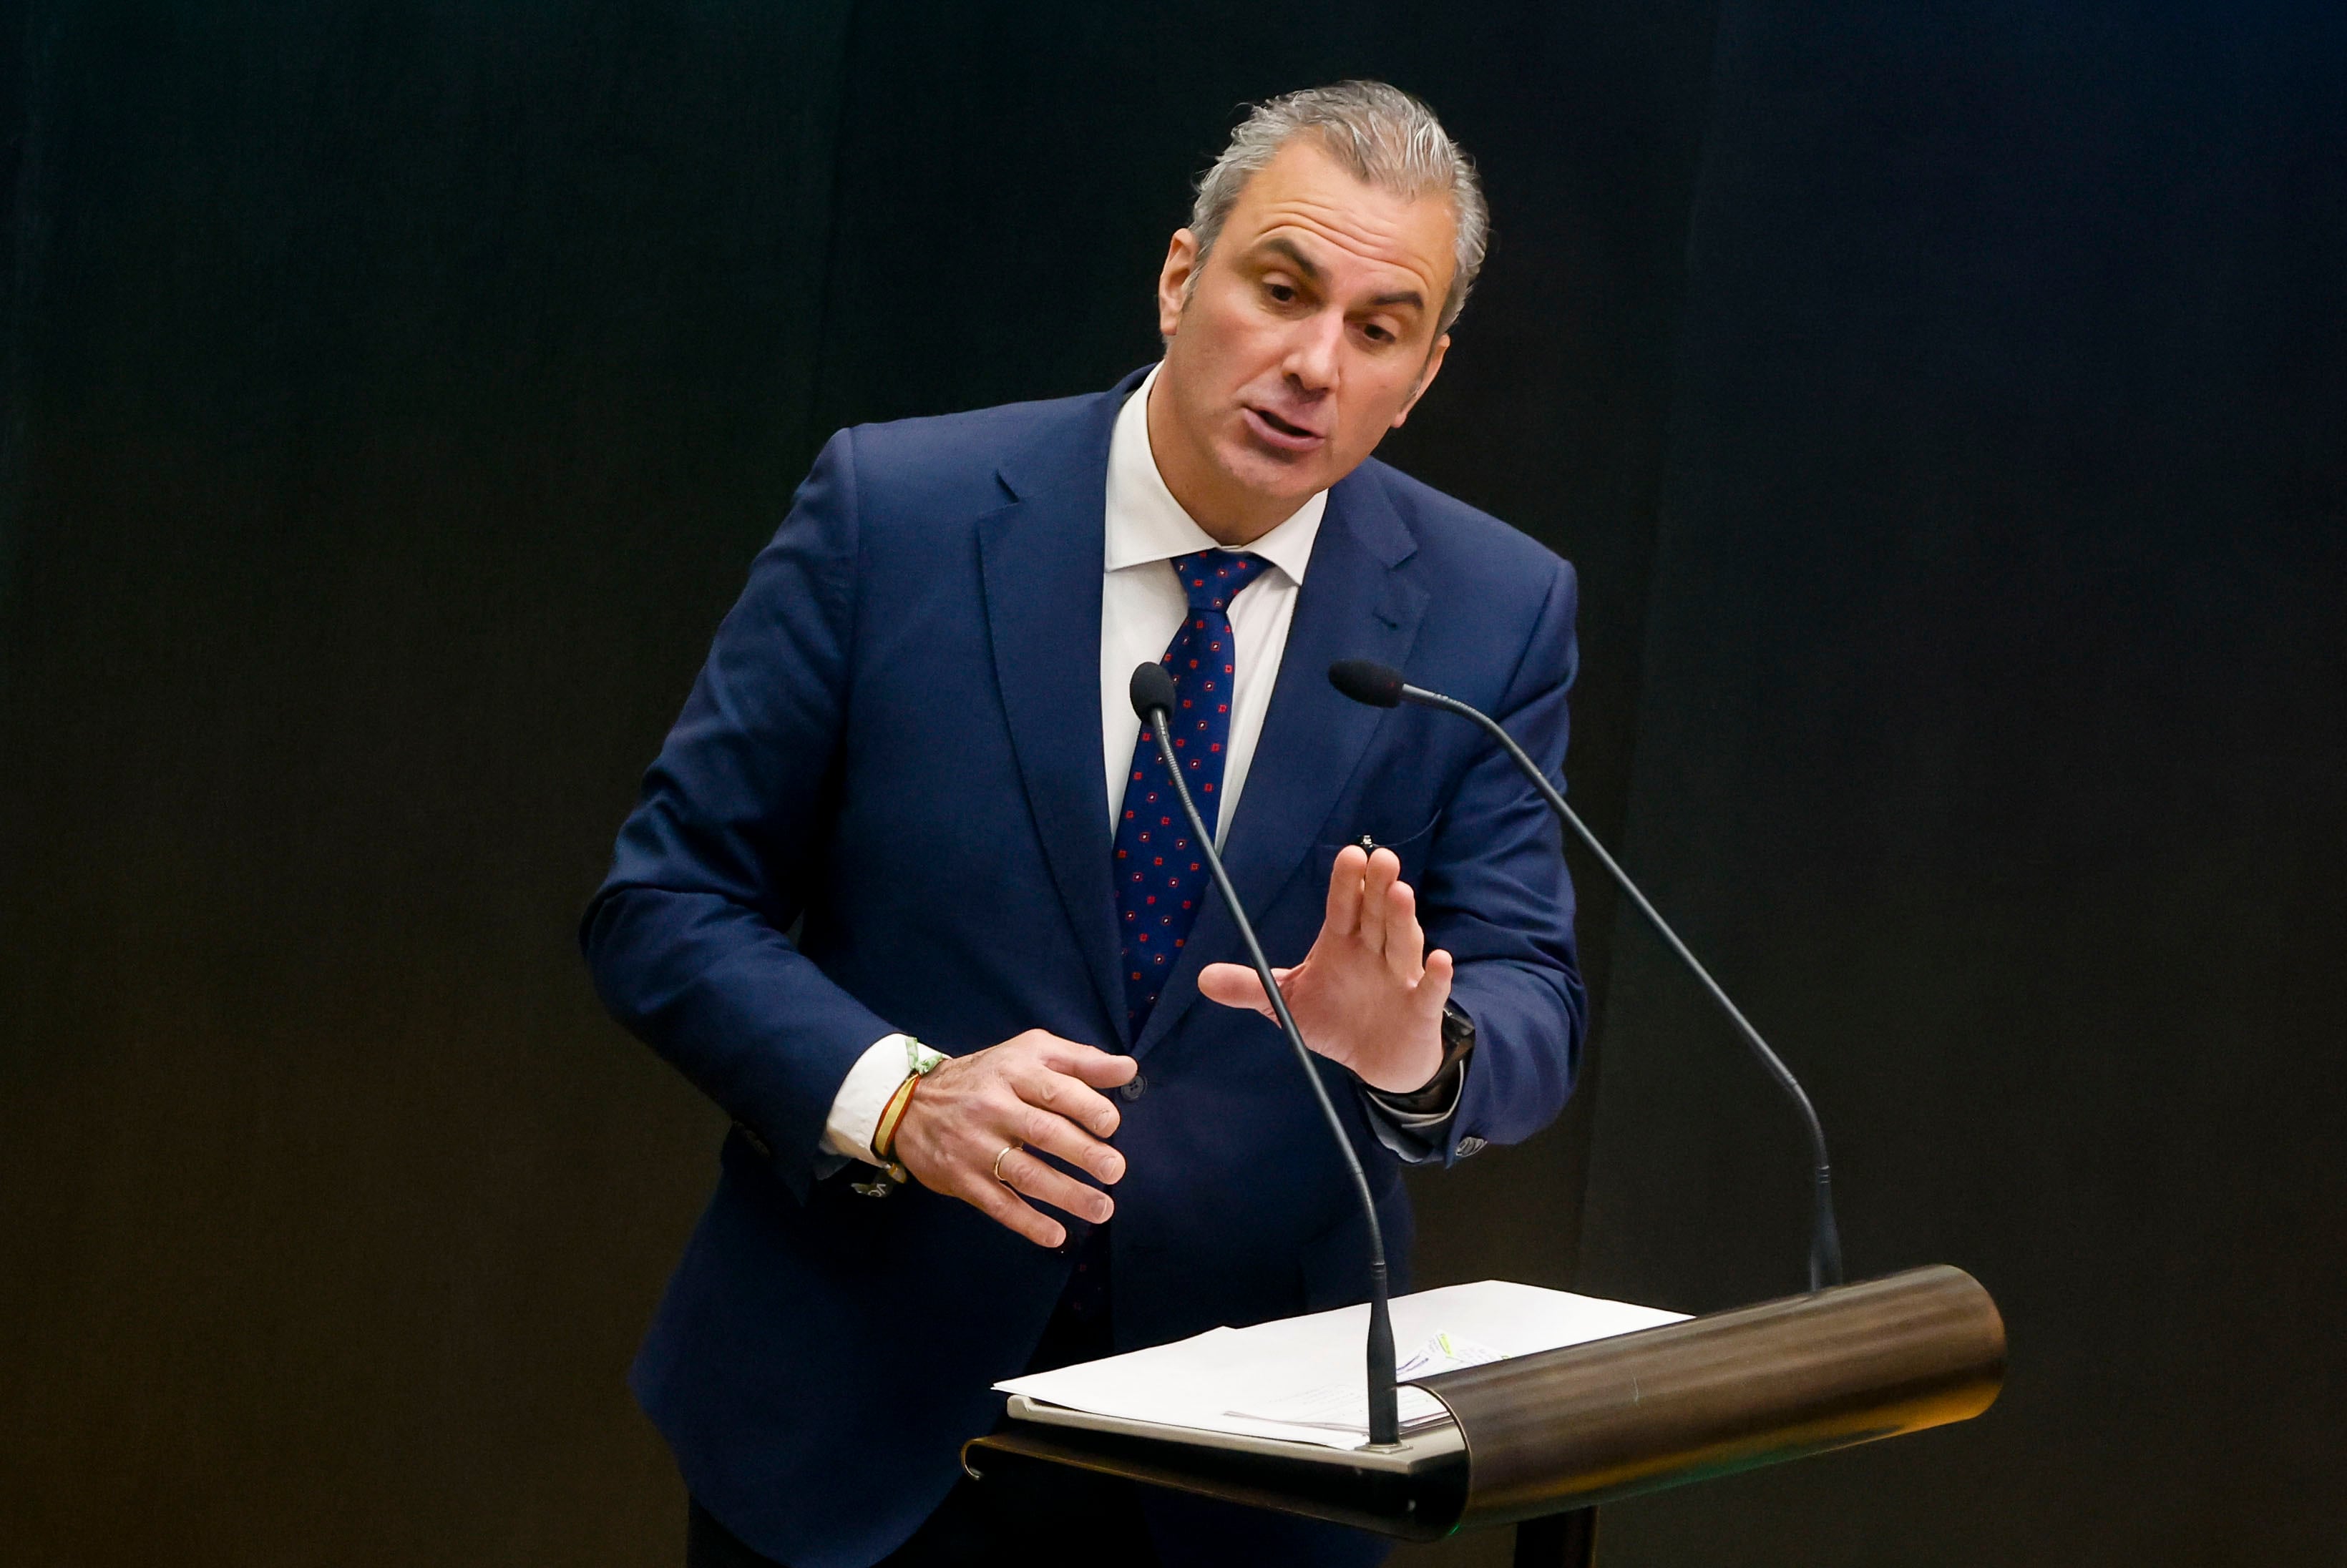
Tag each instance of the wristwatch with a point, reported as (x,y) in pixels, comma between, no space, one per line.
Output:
(1457,1045)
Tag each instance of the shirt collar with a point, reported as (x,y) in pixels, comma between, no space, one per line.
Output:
(1145,523)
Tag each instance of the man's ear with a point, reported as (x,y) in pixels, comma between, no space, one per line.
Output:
(1173,281)
(1425,377)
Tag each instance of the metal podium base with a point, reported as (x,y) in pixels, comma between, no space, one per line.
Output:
(1558,1540)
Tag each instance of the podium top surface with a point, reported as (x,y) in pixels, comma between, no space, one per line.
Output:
(1298,1381)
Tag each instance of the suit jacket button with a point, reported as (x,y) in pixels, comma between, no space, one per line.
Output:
(1134,1089)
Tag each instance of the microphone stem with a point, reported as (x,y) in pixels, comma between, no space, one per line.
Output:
(1385,1418)
(1824,1238)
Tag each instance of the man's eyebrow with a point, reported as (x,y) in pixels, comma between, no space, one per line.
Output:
(1287,248)
(1280,246)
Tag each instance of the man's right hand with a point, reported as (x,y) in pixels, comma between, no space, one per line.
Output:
(1033,1091)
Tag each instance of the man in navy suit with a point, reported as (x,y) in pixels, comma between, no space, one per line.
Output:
(911,743)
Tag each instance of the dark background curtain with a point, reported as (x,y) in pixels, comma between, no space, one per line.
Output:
(1946,405)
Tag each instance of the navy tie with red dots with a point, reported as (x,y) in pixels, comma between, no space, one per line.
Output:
(1161,873)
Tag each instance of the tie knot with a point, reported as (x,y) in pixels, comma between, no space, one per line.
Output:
(1212,578)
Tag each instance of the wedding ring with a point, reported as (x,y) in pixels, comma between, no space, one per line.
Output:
(1008,1150)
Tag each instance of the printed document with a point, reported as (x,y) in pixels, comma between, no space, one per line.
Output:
(1300,1378)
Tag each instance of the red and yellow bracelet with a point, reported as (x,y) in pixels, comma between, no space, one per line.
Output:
(919,1061)
(884,1135)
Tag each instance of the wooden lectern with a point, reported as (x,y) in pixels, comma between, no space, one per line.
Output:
(1541,1440)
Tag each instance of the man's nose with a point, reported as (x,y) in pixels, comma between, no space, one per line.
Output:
(1312,352)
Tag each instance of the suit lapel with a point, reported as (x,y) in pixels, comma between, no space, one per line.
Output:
(1353,605)
(1041,563)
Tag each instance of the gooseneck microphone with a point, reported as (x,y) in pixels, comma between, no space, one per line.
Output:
(1152,699)
(1366,681)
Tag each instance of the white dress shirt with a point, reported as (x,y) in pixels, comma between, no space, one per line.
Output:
(1141,607)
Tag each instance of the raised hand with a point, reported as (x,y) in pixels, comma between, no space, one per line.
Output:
(1369,994)
(1033,1091)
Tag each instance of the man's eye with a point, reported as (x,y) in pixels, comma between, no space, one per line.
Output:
(1377,334)
(1280,292)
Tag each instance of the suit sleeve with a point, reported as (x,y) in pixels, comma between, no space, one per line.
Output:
(686,938)
(1500,900)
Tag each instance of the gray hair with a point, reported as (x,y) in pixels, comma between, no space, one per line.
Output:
(1385,137)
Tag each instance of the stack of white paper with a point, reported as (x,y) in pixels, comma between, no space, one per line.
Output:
(1299,1379)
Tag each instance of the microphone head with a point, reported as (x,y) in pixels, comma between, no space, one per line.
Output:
(1152,690)
(1366,680)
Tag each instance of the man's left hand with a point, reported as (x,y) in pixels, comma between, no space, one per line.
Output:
(1369,994)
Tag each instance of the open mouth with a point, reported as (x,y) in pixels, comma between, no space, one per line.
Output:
(1282,432)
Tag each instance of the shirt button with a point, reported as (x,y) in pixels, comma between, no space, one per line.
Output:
(1134,1089)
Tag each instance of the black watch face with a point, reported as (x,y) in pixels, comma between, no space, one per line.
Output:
(1458,1036)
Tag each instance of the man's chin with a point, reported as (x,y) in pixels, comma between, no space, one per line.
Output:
(1275,473)
(1277,501)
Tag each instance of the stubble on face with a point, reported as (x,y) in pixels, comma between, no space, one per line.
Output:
(1306,334)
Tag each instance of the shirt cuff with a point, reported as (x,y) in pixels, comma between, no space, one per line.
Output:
(863,1095)
(1414,1137)
(1392,1108)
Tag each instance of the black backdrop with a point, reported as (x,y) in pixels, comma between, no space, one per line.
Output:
(1943,401)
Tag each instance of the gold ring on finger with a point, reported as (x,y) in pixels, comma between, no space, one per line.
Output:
(1008,1150)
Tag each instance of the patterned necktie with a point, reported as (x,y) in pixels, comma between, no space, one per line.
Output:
(1160,876)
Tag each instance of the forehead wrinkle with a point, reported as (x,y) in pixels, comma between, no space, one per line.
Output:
(1359,234)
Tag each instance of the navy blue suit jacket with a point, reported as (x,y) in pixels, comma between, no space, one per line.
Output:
(896,742)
